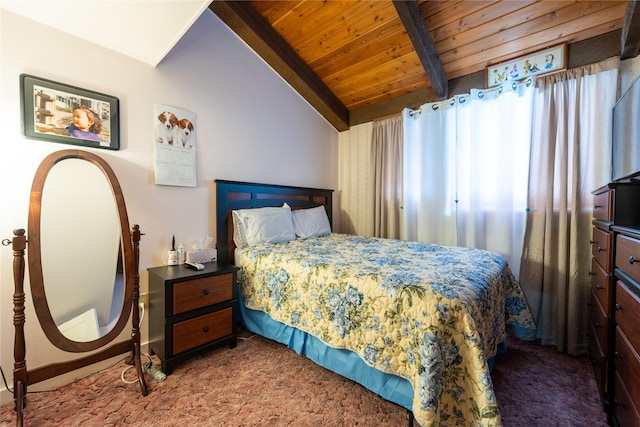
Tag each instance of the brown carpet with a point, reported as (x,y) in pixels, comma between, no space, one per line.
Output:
(262,383)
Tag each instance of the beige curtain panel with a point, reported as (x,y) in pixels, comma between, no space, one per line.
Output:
(387,155)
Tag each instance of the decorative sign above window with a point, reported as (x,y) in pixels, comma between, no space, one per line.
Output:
(536,63)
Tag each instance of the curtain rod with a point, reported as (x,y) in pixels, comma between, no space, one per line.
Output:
(461,98)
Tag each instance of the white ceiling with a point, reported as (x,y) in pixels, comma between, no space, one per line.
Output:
(142,29)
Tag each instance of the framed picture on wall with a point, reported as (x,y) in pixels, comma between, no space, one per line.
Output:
(57,112)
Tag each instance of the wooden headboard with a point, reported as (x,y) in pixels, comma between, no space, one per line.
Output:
(232,195)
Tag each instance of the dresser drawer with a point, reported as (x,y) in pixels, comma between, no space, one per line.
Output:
(598,361)
(628,364)
(628,256)
(599,321)
(601,248)
(202,330)
(627,413)
(628,314)
(600,284)
(202,292)
(603,206)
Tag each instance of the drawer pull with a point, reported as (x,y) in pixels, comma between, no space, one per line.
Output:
(205,292)
(205,329)
(617,355)
(618,307)
(631,259)
(597,207)
(598,325)
(600,249)
(599,287)
(591,242)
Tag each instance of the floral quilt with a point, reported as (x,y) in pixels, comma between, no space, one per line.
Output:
(428,313)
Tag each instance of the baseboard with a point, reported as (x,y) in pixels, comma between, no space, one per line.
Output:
(6,396)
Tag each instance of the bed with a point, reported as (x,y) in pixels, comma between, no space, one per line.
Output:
(416,323)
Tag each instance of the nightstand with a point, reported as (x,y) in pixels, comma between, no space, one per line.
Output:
(191,312)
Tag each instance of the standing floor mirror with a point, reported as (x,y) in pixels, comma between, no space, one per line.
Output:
(83,269)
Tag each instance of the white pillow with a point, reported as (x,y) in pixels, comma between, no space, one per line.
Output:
(238,231)
(311,222)
(262,225)
(239,226)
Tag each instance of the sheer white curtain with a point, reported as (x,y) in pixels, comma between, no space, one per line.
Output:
(429,174)
(492,165)
(466,164)
(571,157)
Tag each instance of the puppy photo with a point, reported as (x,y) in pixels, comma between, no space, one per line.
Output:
(183,134)
(165,130)
(175,145)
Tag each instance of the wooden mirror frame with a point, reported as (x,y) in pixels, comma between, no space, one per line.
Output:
(130,238)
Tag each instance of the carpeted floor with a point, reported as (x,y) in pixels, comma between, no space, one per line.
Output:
(262,383)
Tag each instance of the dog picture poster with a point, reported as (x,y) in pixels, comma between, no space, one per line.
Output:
(174,141)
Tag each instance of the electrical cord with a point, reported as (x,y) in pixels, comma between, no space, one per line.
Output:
(55,389)
(5,380)
(247,338)
(124,372)
(141,305)
(151,370)
(150,363)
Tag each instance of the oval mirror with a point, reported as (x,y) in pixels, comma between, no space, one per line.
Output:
(80,270)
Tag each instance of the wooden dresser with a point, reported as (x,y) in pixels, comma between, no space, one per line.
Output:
(191,312)
(614,339)
(600,295)
(626,408)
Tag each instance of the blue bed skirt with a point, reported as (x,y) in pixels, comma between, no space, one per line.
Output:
(341,361)
(344,362)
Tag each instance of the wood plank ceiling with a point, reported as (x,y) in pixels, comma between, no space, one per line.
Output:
(343,56)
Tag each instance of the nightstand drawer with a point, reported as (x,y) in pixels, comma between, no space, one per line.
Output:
(628,256)
(602,206)
(601,248)
(202,330)
(202,292)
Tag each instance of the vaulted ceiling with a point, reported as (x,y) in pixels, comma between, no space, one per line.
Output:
(346,56)
(358,60)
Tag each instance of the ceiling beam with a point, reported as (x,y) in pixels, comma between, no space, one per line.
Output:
(413,21)
(631,31)
(256,31)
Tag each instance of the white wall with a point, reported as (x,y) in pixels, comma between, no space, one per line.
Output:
(251,127)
